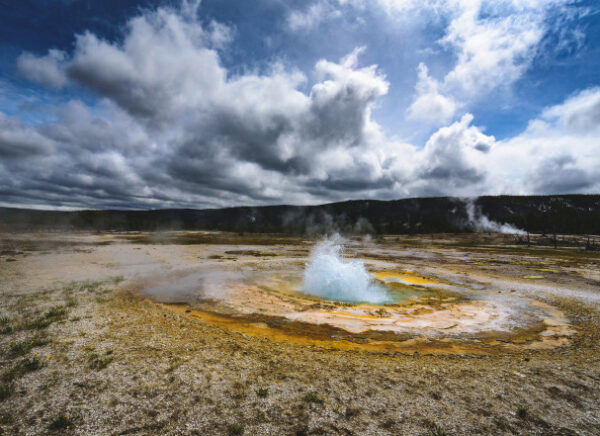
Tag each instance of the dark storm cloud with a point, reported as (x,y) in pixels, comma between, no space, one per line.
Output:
(561,175)
(350,183)
(18,141)
(171,127)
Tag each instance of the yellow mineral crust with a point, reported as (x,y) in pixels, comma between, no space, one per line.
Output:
(279,312)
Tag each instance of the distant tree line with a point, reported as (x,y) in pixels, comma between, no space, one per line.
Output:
(558,214)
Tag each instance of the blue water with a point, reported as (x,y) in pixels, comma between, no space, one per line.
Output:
(331,276)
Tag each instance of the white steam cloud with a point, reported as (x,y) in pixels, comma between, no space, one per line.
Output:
(482,223)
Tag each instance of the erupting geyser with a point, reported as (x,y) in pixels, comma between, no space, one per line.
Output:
(329,275)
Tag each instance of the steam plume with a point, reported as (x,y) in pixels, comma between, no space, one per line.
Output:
(482,223)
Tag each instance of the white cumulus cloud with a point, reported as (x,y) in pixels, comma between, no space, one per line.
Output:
(172,127)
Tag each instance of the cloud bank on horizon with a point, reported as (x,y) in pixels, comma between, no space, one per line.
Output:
(176,108)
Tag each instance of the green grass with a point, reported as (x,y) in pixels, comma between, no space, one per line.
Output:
(6,391)
(47,385)
(37,324)
(98,363)
(55,313)
(235,429)
(116,280)
(435,431)
(22,368)
(60,422)
(91,286)
(32,364)
(23,347)
(11,259)
(52,315)
(5,326)
(262,393)
(313,398)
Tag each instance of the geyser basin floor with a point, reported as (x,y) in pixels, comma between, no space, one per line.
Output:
(126,365)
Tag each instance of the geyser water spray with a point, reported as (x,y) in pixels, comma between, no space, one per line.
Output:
(331,276)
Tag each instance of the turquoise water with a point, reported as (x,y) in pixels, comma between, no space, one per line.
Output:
(330,276)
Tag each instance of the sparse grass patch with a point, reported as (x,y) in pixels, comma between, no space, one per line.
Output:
(98,363)
(5,391)
(6,418)
(20,348)
(47,385)
(435,431)
(56,312)
(5,326)
(12,373)
(75,319)
(11,259)
(313,398)
(37,324)
(117,279)
(22,368)
(235,429)
(91,286)
(88,286)
(262,393)
(60,422)
(30,365)
(23,347)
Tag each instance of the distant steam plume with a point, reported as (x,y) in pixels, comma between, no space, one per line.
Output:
(480,222)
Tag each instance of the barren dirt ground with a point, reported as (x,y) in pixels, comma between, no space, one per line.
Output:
(82,352)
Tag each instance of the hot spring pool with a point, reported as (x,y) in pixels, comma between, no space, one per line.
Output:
(335,299)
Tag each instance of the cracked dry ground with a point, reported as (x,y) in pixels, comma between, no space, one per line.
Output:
(80,354)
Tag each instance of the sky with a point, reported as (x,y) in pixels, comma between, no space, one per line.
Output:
(146,104)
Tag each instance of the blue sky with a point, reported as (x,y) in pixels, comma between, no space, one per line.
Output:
(144,104)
